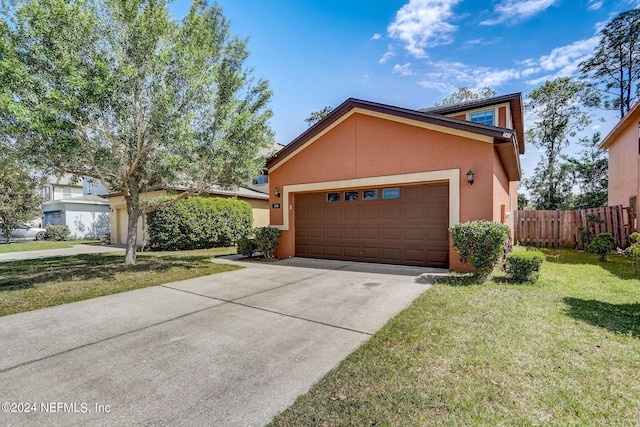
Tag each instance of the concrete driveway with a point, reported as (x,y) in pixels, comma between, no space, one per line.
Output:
(232,349)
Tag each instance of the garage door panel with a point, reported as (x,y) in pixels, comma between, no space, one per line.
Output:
(370,212)
(371,233)
(351,252)
(370,253)
(333,215)
(413,234)
(414,255)
(334,251)
(392,234)
(410,230)
(351,233)
(317,233)
(351,213)
(333,233)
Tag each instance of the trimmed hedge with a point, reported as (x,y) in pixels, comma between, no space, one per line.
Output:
(523,267)
(481,243)
(57,232)
(198,223)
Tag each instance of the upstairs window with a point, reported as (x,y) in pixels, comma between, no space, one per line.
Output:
(262,179)
(483,117)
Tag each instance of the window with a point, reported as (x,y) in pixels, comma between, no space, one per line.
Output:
(350,196)
(66,192)
(47,193)
(333,197)
(56,215)
(391,193)
(484,117)
(370,195)
(262,179)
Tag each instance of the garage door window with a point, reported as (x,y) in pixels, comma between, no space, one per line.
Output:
(370,195)
(333,197)
(350,196)
(391,193)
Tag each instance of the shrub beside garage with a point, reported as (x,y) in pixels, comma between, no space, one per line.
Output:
(199,223)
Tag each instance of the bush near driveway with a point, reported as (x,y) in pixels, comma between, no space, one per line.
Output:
(481,243)
(564,351)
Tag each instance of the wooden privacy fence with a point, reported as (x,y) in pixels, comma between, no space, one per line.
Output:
(559,229)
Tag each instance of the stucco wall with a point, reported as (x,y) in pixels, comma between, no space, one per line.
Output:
(624,162)
(365,146)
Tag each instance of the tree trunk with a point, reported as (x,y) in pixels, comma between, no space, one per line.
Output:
(133,211)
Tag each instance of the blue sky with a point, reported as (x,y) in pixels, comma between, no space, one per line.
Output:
(411,53)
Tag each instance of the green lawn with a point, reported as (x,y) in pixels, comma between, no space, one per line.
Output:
(33,284)
(563,351)
(36,245)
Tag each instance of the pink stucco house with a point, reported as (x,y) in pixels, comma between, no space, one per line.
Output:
(623,143)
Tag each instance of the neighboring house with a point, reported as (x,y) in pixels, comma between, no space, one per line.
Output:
(77,205)
(376,183)
(623,143)
(261,183)
(119,218)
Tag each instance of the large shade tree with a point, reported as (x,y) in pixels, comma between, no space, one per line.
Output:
(20,200)
(615,64)
(120,91)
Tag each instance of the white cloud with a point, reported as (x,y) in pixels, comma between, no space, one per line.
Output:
(513,11)
(376,36)
(595,4)
(421,24)
(448,76)
(386,57)
(565,59)
(404,70)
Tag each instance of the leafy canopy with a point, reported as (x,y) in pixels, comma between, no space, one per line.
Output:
(121,91)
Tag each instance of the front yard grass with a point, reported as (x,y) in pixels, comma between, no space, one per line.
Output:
(36,245)
(562,351)
(33,284)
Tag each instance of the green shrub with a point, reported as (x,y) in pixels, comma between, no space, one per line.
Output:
(267,240)
(198,223)
(481,243)
(602,245)
(522,267)
(57,232)
(246,246)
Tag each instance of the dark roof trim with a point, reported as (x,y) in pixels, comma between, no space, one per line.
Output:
(431,118)
(514,99)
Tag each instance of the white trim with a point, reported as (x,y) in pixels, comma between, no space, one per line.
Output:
(450,175)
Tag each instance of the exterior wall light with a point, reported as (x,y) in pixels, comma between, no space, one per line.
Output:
(470,177)
(276,192)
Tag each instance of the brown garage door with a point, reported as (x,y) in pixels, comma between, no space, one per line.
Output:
(391,225)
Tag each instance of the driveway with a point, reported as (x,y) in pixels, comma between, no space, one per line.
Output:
(232,349)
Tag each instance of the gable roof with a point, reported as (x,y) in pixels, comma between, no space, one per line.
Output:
(632,115)
(514,100)
(507,141)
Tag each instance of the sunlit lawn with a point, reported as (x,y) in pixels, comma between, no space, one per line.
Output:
(33,284)
(36,245)
(563,351)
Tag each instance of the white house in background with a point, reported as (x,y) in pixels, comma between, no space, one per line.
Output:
(76,204)
(261,183)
